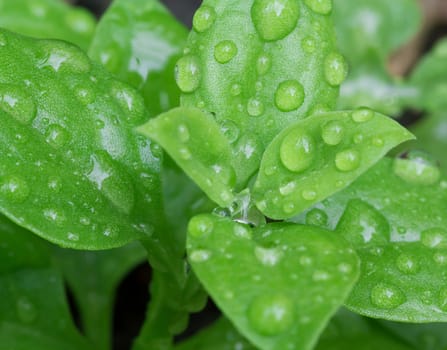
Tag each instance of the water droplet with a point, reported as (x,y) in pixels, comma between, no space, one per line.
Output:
(258,86)
(255,107)
(263,64)
(344,268)
(316,217)
(308,45)
(270,170)
(358,138)
(385,296)
(440,258)
(242,231)
(289,95)
(306,260)
(14,188)
(200,226)
(225,51)
(183,133)
(309,195)
(362,115)
(56,136)
(187,73)
(335,69)
(54,215)
(275,19)
(322,7)
(417,168)
(17,103)
(111,57)
(434,237)
(59,55)
(347,160)
(203,18)
(85,221)
(80,21)
(320,276)
(235,90)
(287,188)
(288,207)
(26,311)
(297,151)
(268,256)
(230,130)
(73,237)
(377,141)
(407,264)
(200,255)
(184,153)
(54,184)
(332,133)
(85,95)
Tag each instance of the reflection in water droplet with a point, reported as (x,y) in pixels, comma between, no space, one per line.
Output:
(385,296)
(407,264)
(183,133)
(203,18)
(230,130)
(187,73)
(56,136)
(297,151)
(263,64)
(17,103)
(316,217)
(289,95)
(362,114)
(347,160)
(225,51)
(332,133)
(434,237)
(335,69)
(255,107)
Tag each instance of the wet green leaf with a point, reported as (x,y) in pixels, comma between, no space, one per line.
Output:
(140,41)
(293,277)
(34,313)
(72,168)
(48,19)
(319,156)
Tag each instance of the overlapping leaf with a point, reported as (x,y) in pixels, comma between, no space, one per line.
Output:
(72,169)
(293,277)
(48,19)
(320,155)
(394,215)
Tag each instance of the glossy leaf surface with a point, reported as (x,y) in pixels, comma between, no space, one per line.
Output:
(394,215)
(257,80)
(193,140)
(140,41)
(293,277)
(72,169)
(48,19)
(320,155)
(33,311)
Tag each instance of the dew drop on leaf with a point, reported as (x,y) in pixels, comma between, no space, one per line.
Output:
(203,18)
(335,69)
(56,136)
(275,19)
(183,133)
(17,103)
(263,64)
(362,114)
(271,314)
(322,7)
(433,237)
(407,264)
(14,188)
(316,217)
(200,255)
(385,296)
(297,151)
(268,256)
(187,74)
(347,160)
(332,133)
(225,51)
(200,226)
(255,107)
(417,168)
(230,130)
(80,22)
(289,95)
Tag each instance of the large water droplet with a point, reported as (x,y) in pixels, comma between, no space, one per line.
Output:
(434,237)
(203,18)
(14,188)
(56,136)
(322,7)
(187,73)
(347,160)
(200,226)
(417,168)
(17,103)
(200,255)
(268,256)
(297,151)
(385,296)
(335,69)
(332,133)
(74,237)
(225,51)
(263,64)
(275,19)
(289,95)
(26,311)
(316,217)
(59,55)
(362,114)
(271,314)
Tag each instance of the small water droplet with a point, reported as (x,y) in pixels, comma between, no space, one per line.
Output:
(263,64)
(385,296)
(434,237)
(54,215)
(225,51)
(322,7)
(407,264)
(14,188)
(417,168)
(17,103)
(26,311)
(309,195)
(268,256)
(320,276)
(183,133)
(271,314)
(85,221)
(335,69)
(187,73)
(297,151)
(306,260)
(358,138)
(347,160)
(73,237)
(377,141)
(54,184)
(184,153)
(203,18)
(200,255)
(308,45)
(362,115)
(289,95)
(200,226)
(235,90)
(230,130)
(276,19)
(332,133)
(316,217)
(255,107)
(56,136)
(270,170)
(440,258)
(287,188)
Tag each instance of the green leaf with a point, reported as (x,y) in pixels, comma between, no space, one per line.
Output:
(193,140)
(34,313)
(48,19)
(394,216)
(72,168)
(140,41)
(319,156)
(348,331)
(293,278)
(248,66)
(93,278)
